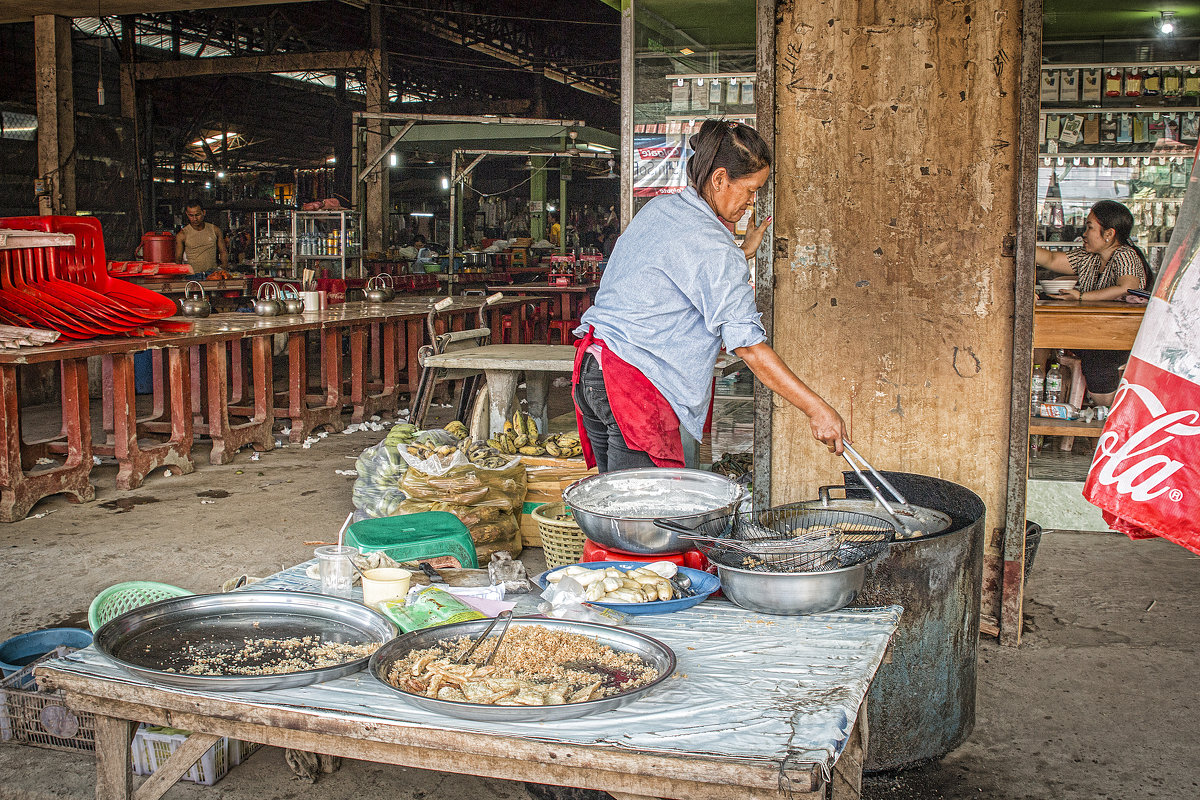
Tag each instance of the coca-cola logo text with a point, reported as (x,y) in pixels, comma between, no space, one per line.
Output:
(1134,466)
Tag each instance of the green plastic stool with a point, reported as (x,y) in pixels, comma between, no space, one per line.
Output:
(121,597)
(415,537)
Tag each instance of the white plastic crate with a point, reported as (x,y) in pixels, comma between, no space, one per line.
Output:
(151,749)
(239,751)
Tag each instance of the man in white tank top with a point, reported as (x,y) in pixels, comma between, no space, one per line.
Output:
(201,242)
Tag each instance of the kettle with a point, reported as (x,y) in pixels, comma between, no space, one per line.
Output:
(375,291)
(388,284)
(197,306)
(266,304)
(292,304)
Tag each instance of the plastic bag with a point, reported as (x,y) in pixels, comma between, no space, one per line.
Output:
(426,608)
(564,600)
(376,491)
(468,484)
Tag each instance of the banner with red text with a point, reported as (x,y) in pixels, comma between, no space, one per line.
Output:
(1145,476)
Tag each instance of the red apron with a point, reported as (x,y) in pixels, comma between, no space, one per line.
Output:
(644,416)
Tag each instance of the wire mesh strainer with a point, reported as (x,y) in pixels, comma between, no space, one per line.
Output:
(789,539)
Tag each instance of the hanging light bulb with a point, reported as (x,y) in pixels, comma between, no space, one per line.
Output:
(679,81)
(393,160)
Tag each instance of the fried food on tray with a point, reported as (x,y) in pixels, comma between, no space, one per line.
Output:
(534,666)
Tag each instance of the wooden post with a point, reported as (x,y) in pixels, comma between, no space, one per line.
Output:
(377,102)
(56,113)
(895,196)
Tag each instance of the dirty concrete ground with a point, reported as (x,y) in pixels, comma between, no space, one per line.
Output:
(1099,701)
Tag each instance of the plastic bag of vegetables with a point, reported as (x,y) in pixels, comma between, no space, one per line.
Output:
(377,491)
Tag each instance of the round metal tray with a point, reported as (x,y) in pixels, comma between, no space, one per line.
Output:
(652,651)
(152,639)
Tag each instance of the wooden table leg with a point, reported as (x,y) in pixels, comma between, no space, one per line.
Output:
(414,336)
(136,462)
(227,437)
(114,762)
(369,397)
(19,490)
(848,771)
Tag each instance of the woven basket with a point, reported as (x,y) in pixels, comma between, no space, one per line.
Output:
(119,598)
(562,540)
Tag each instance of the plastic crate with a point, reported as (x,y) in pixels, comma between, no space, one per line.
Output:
(415,537)
(239,751)
(152,748)
(42,719)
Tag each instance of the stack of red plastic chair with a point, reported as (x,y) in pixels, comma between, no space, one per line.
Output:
(68,289)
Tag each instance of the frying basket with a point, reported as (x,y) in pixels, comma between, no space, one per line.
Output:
(766,541)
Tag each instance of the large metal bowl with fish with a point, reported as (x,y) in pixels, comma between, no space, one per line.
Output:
(595,668)
(617,510)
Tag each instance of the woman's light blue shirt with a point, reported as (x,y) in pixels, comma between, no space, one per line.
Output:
(676,287)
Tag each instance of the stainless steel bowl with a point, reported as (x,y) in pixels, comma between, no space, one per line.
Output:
(791,593)
(617,510)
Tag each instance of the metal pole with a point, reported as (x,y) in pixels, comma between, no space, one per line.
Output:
(453,221)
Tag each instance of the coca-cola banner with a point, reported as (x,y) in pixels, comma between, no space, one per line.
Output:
(1145,476)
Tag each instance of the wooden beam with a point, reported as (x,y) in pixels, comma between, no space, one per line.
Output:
(1012,572)
(375,218)
(244,65)
(56,113)
(764,262)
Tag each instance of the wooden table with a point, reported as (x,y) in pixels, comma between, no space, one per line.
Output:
(217,380)
(503,365)
(799,683)
(571,300)
(1070,325)
(1087,326)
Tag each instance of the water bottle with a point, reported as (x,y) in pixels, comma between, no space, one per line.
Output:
(1038,386)
(1054,384)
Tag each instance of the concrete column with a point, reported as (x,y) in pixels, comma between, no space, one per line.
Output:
(56,113)
(377,102)
(537,193)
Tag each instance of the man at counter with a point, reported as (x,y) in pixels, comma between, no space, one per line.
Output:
(200,242)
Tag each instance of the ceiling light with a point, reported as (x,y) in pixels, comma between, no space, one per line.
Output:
(393,160)
(331,160)
(552,208)
(420,214)
(687,51)
(445,182)
(220,175)
(1166,23)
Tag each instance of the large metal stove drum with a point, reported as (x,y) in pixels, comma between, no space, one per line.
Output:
(922,705)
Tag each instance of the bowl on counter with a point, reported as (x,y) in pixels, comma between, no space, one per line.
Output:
(792,593)
(1057,286)
(617,510)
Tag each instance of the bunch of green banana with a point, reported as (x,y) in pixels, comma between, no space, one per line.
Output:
(458,429)
(521,435)
(401,433)
(563,445)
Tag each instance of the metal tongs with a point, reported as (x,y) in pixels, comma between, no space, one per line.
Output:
(847,452)
(507,615)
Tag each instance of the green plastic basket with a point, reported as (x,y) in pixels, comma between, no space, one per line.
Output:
(119,598)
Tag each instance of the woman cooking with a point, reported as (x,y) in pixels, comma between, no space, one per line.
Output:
(1107,266)
(676,288)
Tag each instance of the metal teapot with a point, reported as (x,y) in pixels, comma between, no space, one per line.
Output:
(266,303)
(388,284)
(197,306)
(375,291)
(292,304)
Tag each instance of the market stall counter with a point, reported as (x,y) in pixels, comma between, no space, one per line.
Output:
(759,707)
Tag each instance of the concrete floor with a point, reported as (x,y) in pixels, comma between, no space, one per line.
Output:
(1095,703)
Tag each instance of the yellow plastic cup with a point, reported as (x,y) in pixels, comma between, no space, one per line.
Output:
(384,583)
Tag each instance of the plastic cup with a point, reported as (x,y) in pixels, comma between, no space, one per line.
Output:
(337,573)
(384,583)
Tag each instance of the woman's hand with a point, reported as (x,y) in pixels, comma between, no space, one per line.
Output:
(1070,294)
(829,428)
(754,235)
